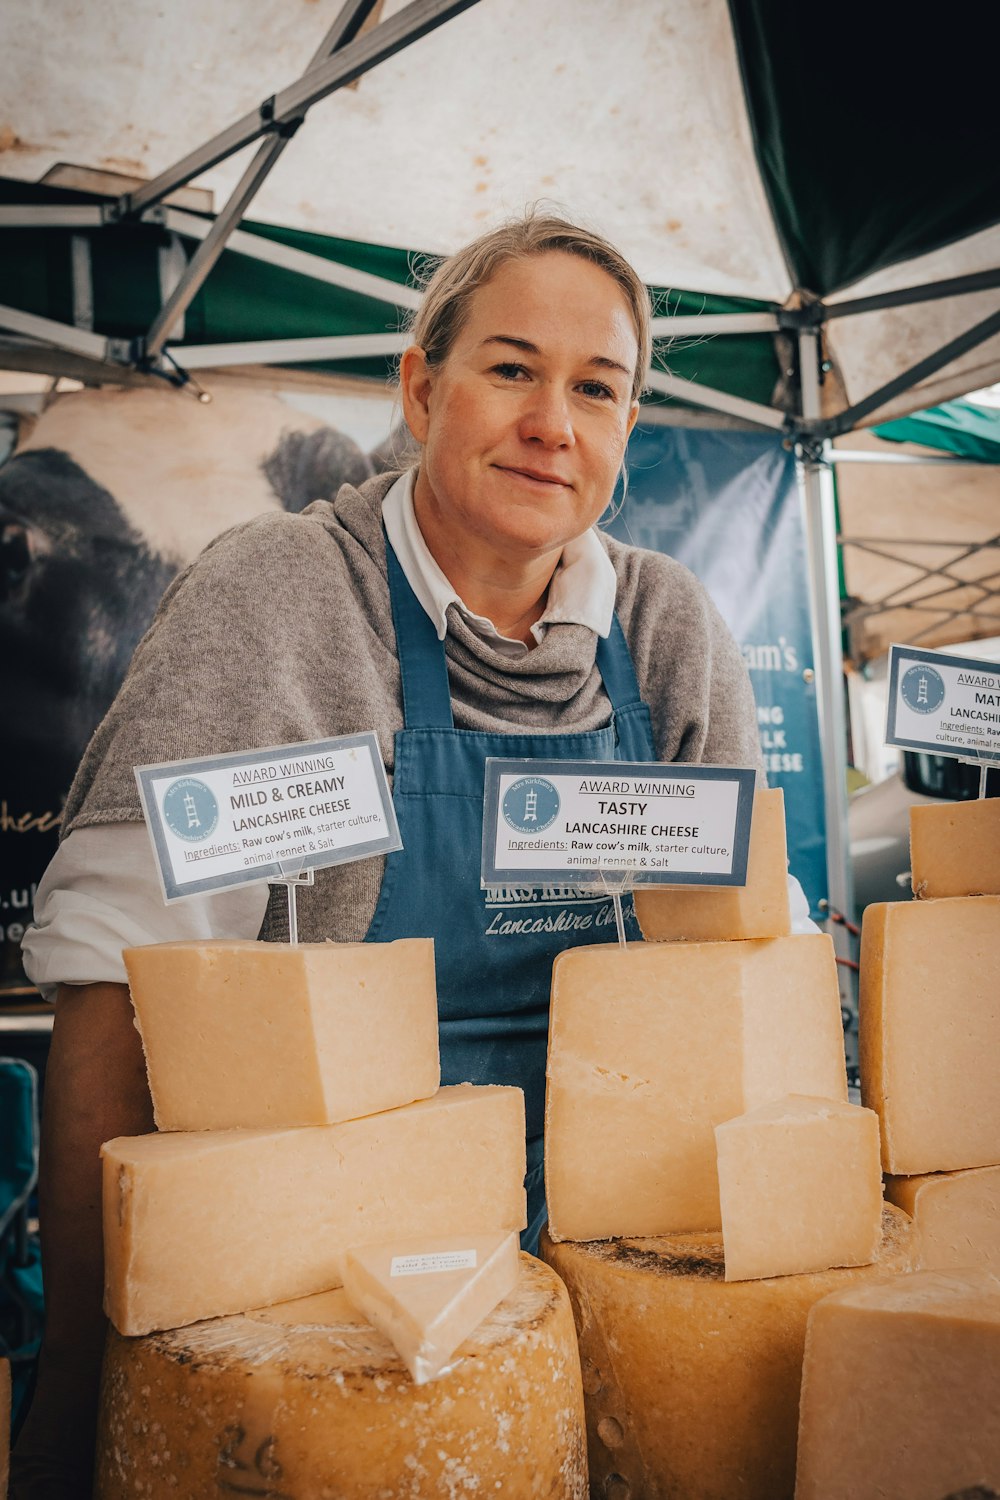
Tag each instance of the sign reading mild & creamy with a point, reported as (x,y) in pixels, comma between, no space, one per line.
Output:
(585,821)
(226,820)
(945,705)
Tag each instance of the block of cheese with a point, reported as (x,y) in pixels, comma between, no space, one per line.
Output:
(241,1035)
(901,1390)
(929,1031)
(758,909)
(800,1182)
(428,1296)
(692,1383)
(653,1046)
(955,848)
(956,1217)
(307,1400)
(201,1223)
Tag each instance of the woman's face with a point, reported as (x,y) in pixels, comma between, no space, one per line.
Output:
(525,423)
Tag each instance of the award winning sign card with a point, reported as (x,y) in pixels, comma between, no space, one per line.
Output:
(268,814)
(598,823)
(946,705)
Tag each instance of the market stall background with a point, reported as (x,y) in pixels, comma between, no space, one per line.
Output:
(822,243)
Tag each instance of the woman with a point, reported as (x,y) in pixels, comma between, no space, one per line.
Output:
(463,610)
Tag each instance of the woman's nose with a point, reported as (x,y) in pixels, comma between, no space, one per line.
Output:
(546,417)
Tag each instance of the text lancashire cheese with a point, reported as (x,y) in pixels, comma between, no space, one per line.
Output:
(306,1401)
(242,1035)
(429,1296)
(929,1031)
(955,848)
(801,1187)
(901,1390)
(651,1047)
(198,1224)
(956,1217)
(757,910)
(691,1382)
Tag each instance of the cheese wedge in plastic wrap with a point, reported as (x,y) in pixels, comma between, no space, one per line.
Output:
(428,1296)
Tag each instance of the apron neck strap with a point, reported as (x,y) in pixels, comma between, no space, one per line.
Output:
(423,666)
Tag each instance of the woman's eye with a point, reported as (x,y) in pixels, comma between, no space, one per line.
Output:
(509,371)
(598,389)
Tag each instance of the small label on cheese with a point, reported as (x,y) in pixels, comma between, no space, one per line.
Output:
(428,1265)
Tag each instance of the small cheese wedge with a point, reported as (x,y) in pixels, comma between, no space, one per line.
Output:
(242,1035)
(800,1182)
(900,1390)
(201,1223)
(929,1031)
(955,848)
(429,1296)
(651,1047)
(758,909)
(956,1217)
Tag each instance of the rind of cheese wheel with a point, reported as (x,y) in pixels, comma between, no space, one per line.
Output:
(956,1217)
(955,848)
(900,1390)
(243,1035)
(758,909)
(929,1031)
(651,1047)
(306,1401)
(691,1382)
(198,1224)
(801,1187)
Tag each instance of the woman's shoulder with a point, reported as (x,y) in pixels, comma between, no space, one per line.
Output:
(654,581)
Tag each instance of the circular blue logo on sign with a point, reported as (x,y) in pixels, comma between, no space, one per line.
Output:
(922,688)
(530,805)
(190,809)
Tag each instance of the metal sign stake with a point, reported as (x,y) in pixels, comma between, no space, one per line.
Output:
(619,919)
(305,877)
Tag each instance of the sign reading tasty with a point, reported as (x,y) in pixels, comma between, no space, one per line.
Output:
(260,815)
(948,705)
(586,820)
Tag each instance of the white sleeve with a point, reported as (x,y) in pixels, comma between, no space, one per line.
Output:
(798,907)
(101,893)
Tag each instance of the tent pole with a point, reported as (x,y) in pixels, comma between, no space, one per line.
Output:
(819,511)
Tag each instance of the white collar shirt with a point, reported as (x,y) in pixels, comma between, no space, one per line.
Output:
(582,590)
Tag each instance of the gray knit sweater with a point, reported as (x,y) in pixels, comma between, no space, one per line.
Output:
(281,631)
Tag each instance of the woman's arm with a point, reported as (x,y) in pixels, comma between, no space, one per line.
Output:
(95,1089)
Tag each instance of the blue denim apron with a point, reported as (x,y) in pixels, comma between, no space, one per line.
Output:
(493,949)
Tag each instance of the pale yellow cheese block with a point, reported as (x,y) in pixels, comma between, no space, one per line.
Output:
(901,1390)
(929,1031)
(956,1217)
(692,1383)
(801,1187)
(307,1401)
(651,1047)
(242,1035)
(955,848)
(428,1296)
(198,1224)
(756,910)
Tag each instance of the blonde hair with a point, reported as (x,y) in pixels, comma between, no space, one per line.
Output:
(449,291)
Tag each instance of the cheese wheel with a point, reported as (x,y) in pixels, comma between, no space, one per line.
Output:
(307,1401)
(692,1382)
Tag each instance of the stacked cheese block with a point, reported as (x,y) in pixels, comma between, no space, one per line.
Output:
(304,1145)
(697,1084)
(918,1363)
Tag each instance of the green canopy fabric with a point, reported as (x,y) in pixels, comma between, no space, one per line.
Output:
(958,427)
